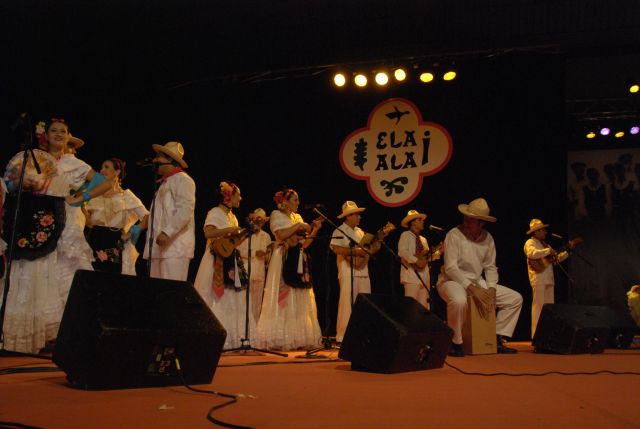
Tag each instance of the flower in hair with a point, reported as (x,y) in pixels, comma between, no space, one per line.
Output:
(227,189)
(40,131)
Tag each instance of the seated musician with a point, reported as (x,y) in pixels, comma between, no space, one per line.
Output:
(414,251)
(353,269)
(221,279)
(470,254)
(540,272)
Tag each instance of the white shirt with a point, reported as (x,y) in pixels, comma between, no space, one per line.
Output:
(534,249)
(407,251)
(121,210)
(259,242)
(465,261)
(338,239)
(174,205)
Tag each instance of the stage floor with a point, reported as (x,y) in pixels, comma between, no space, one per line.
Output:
(299,393)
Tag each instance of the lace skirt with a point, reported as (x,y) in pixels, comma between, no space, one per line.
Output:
(289,318)
(39,289)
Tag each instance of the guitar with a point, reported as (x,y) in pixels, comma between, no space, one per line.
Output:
(224,246)
(428,255)
(294,239)
(539,265)
(372,243)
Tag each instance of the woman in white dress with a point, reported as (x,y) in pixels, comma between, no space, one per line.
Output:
(39,287)
(222,281)
(111,223)
(289,318)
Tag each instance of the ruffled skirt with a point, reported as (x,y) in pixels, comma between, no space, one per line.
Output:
(39,289)
(289,318)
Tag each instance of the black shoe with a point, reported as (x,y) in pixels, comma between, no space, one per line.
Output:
(502,346)
(456,350)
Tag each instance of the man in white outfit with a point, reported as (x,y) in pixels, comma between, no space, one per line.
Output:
(470,269)
(345,251)
(414,251)
(173,223)
(540,271)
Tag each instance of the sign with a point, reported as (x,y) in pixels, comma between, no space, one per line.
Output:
(395,151)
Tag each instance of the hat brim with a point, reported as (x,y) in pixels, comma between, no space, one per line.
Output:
(409,218)
(537,228)
(350,212)
(265,218)
(160,148)
(75,142)
(464,209)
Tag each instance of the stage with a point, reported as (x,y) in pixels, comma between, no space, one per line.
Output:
(301,393)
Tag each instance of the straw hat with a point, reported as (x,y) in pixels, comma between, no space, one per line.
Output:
(477,209)
(173,150)
(349,208)
(258,214)
(411,215)
(535,225)
(75,142)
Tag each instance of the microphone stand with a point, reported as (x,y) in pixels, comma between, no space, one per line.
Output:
(27,150)
(396,257)
(245,343)
(326,339)
(152,216)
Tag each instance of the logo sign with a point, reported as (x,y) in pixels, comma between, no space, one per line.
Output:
(395,151)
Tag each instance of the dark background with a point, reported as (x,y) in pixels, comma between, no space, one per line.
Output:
(246,87)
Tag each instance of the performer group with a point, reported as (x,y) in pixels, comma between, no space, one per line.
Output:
(77,218)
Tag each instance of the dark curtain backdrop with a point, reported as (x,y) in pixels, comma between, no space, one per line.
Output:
(505,115)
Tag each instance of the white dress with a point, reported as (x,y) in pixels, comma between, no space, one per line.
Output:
(39,288)
(289,318)
(119,211)
(230,307)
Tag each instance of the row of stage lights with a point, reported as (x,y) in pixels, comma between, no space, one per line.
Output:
(382,78)
(606,132)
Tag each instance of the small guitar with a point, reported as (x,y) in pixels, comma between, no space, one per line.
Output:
(372,243)
(428,255)
(295,238)
(224,246)
(539,265)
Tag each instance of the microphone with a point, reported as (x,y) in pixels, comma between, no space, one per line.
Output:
(147,162)
(436,228)
(313,206)
(19,121)
(559,237)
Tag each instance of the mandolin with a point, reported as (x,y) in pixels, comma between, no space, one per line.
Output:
(295,238)
(539,265)
(224,246)
(372,243)
(428,255)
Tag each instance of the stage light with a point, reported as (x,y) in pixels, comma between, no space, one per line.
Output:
(605,131)
(360,80)
(382,78)
(619,134)
(591,135)
(339,79)
(450,75)
(400,74)
(634,88)
(426,77)
(634,130)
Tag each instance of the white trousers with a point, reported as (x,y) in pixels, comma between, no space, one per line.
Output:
(360,285)
(417,292)
(542,294)
(508,303)
(170,268)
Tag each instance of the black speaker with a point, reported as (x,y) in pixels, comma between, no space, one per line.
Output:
(572,329)
(122,331)
(388,333)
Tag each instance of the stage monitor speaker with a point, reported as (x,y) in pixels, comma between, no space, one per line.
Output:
(121,331)
(572,329)
(388,333)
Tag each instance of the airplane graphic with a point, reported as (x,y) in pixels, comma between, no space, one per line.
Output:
(396,114)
